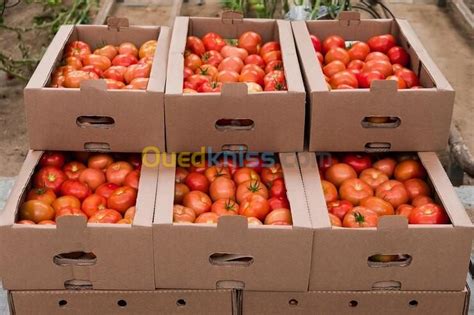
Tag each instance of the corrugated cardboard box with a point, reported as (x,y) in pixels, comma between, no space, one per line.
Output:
(218,302)
(92,117)
(233,253)
(438,255)
(274,121)
(33,257)
(421,118)
(357,302)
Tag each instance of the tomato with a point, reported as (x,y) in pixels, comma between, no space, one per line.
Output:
(274,65)
(213,41)
(66,201)
(198,201)
(130,213)
(183,214)
(36,211)
(360,217)
(108,51)
(232,64)
(231,51)
(429,213)
(334,67)
(375,55)
(392,191)
(92,177)
(274,76)
(73,169)
(199,166)
(180,175)
(355,190)
(47,222)
(195,45)
(197,80)
(335,221)
(381,43)
(255,206)
(251,76)
(42,194)
(124,60)
(105,216)
(77,49)
(137,71)
(250,41)
(409,169)
(378,205)
(396,67)
(339,208)
(278,188)
(373,177)
(49,177)
(421,200)
(339,172)
(251,187)
(268,47)
(382,66)
(255,59)
(226,76)
(147,49)
(192,61)
(358,161)
(93,203)
(278,202)
(358,51)
(68,211)
(345,78)
(222,188)
(229,163)
(114,85)
(245,174)
(92,69)
(72,187)
(225,207)
(416,187)
(254,68)
(337,53)
(101,62)
(269,174)
(146,60)
(316,43)
(189,91)
(409,77)
(386,165)
(197,181)
(280,216)
(208,70)
(106,189)
(255,163)
(213,172)
(73,79)
(57,81)
(100,161)
(365,78)
(332,42)
(253,221)
(212,57)
(117,172)
(272,56)
(180,190)
(122,198)
(355,64)
(404,210)
(329,191)
(74,62)
(132,179)
(398,55)
(207,218)
(253,87)
(28,222)
(326,161)
(187,72)
(400,82)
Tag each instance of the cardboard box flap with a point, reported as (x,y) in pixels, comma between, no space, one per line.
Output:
(387,87)
(145,204)
(165,191)
(234,89)
(392,222)
(349,16)
(231,17)
(117,22)
(93,86)
(444,189)
(158,73)
(70,226)
(175,65)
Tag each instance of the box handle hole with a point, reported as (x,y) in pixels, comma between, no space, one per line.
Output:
(413,303)
(381,122)
(353,303)
(62,303)
(387,285)
(225,259)
(389,260)
(75,258)
(95,122)
(75,284)
(374,147)
(97,146)
(293,302)
(181,302)
(239,124)
(122,303)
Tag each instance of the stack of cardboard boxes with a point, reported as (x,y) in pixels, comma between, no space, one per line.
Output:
(156,266)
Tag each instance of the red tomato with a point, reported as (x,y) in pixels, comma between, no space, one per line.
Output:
(114,85)
(96,71)
(137,71)
(226,76)
(416,187)
(232,51)
(253,87)
(213,172)
(221,188)
(101,62)
(68,211)
(333,67)
(225,207)
(268,47)
(180,190)
(280,216)
(255,206)
(181,174)
(409,77)
(274,65)
(100,161)
(93,203)
(392,191)
(373,177)
(339,208)
(213,41)
(326,161)
(381,43)
(345,78)
(73,79)
(232,64)
(404,210)
(278,202)
(396,67)
(77,49)
(183,214)
(49,177)
(187,72)
(269,174)
(207,218)
(106,189)
(378,205)
(249,188)
(73,169)
(207,70)
(130,213)
(42,194)
(320,57)
(400,82)
(271,56)
(66,201)
(335,221)
(55,159)
(212,57)
(386,165)
(197,181)
(148,49)
(421,200)
(365,78)
(376,55)
(124,60)
(128,49)
(198,201)
(195,45)
(382,66)
(277,188)
(355,64)
(92,177)
(108,51)
(229,163)
(116,172)
(254,68)
(132,179)
(197,80)
(329,191)
(255,59)
(360,217)
(122,198)
(316,43)
(358,161)
(429,213)
(332,42)
(192,61)
(250,41)
(36,211)
(358,51)
(250,76)
(274,76)
(28,222)
(199,166)
(355,190)
(398,55)
(105,216)
(339,172)
(71,187)
(210,87)
(245,174)
(337,53)
(409,169)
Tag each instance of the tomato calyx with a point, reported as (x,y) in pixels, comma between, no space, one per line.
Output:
(230,205)
(232,42)
(254,186)
(51,177)
(359,217)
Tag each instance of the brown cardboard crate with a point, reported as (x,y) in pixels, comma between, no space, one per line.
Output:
(277,117)
(258,257)
(124,253)
(336,117)
(439,253)
(73,119)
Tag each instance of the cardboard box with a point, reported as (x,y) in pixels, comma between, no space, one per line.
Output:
(421,118)
(357,302)
(438,254)
(120,256)
(233,254)
(218,302)
(234,119)
(92,117)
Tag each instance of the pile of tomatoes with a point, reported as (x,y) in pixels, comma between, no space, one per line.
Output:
(99,187)
(212,61)
(122,67)
(357,64)
(359,188)
(203,193)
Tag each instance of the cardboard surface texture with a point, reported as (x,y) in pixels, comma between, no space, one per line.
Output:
(92,117)
(424,115)
(277,118)
(438,254)
(233,254)
(218,302)
(356,302)
(111,256)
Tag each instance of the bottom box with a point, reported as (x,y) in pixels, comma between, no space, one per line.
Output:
(356,302)
(219,302)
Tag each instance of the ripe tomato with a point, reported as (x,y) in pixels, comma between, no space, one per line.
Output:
(213,172)
(124,60)
(117,171)
(77,49)
(73,79)
(226,76)
(398,55)
(335,221)
(409,77)
(268,47)
(355,190)
(148,49)
(421,200)
(132,179)
(42,194)
(94,70)
(345,78)
(278,202)
(189,91)
(255,206)
(358,51)
(329,191)
(222,188)
(358,161)
(106,189)
(100,161)
(269,174)
(212,57)
(429,213)
(381,43)
(198,201)
(274,65)
(47,222)
(382,66)
(187,72)
(396,67)
(181,174)
(416,187)
(92,177)
(55,159)
(93,203)
(326,161)
(114,85)
(337,53)
(355,64)
(250,41)
(280,216)
(192,61)
(316,43)
(49,177)
(278,188)
(339,172)
(365,78)
(195,45)
(400,82)
(404,210)
(245,174)
(251,76)
(73,169)
(66,201)
(101,62)
(208,70)
(130,213)
(36,211)
(28,222)
(197,181)
(320,57)
(271,56)
(373,177)
(105,216)
(197,80)
(128,49)
(360,217)
(180,190)
(409,169)
(378,205)
(255,59)
(225,207)
(332,42)
(213,41)
(68,211)
(72,187)
(183,214)
(207,218)
(253,87)
(137,84)
(232,51)
(392,191)
(122,198)
(386,165)
(232,64)
(230,163)
(376,55)
(334,67)
(137,71)
(339,208)
(249,188)
(274,76)
(108,51)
